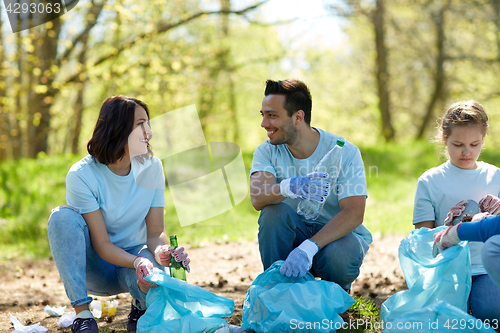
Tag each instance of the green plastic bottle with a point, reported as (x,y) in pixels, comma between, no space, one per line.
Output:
(176,269)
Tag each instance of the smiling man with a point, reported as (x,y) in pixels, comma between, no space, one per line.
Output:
(332,246)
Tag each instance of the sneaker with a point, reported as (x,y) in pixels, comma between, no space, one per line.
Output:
(84,325)
(133,317)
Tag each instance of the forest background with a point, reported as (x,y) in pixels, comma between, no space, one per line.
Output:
(380,72)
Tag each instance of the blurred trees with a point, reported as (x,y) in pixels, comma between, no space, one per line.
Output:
(434,51)
(51,73)
(401,63)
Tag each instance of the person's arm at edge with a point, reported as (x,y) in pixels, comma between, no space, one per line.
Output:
(264,190)
(424,224)
(352,210)
(102,244)
(155,225)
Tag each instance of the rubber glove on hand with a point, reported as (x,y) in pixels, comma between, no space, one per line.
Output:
(311,186)
(444,239)
(164,253)
(490,204)
(454,212)
(143,268)
(299,261)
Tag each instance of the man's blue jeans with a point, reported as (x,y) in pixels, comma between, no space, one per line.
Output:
(81,269)
(281,230)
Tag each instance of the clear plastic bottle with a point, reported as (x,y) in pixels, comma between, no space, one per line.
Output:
(176,268)
(330,163)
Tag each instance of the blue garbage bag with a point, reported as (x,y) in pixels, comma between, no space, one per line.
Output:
(177,306)
(440,316)
(275,303)
(438,287)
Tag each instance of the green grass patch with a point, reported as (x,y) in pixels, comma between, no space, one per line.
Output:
(30,188)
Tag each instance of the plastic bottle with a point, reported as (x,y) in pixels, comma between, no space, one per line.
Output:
(471,209)
(330,163)
(176,269)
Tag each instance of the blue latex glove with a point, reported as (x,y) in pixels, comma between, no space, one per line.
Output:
(311,186)
(299,261)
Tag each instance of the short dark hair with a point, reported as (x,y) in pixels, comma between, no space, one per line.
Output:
(297,96)
(113,127)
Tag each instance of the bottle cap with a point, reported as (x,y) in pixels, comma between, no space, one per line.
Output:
(340,143)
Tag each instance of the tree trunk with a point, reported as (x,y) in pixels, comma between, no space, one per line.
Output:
(4,124)
(42,100)
(439,77)
(382,72)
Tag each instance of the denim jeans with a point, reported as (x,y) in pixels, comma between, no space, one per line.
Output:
(485,293)
(281,230)
(81,269)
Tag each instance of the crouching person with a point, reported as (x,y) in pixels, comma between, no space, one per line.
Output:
(332,246)
(111,234)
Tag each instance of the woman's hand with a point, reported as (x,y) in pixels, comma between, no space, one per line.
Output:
(490,204)
(454,212)
(143,268)
(164,253)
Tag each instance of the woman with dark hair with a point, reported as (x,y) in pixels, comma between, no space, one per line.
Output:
(111,233)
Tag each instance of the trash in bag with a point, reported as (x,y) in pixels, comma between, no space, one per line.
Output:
(177,306)
(437,317)
(275,303)
(438,287)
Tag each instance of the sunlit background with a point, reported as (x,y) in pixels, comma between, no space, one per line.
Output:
(380,73)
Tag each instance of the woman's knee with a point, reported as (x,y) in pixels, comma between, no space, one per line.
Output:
(64,218)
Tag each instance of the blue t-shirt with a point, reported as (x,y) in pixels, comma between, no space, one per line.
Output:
(124,205)
(442,187)
(279,161)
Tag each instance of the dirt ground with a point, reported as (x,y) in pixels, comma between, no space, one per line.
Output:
(225,269)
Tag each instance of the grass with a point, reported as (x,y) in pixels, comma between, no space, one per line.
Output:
(30,188)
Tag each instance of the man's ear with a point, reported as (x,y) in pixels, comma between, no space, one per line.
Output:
(298,117)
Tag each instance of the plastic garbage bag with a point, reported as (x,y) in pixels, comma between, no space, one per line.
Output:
(275,303)
(438,317)
(438,287)
(177,306)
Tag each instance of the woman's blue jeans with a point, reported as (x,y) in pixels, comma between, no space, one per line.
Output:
(81,269)
(281,230)
(485,292)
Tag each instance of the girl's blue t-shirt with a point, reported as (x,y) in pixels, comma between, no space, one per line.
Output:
(442,187)
(124,201)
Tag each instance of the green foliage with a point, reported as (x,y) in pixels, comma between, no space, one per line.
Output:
(366,312)
(30,188)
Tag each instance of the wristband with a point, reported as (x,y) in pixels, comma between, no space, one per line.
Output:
(136,261)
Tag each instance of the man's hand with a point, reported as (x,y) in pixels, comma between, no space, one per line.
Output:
(143,268)
(299,261)
(311,186)
(164,253)
(454,212)
(444,239)
(490,204)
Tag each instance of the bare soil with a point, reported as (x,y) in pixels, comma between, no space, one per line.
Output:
(225,269)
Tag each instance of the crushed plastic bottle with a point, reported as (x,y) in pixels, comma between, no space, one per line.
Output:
(471,208)
(330,163)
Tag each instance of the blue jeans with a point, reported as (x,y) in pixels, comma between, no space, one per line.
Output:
(81,269)
(485,292)
(281,230)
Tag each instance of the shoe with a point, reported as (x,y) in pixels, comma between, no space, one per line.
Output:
(133,317)
(84,325)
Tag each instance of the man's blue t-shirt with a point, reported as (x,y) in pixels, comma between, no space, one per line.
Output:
(279,161)
(124,204)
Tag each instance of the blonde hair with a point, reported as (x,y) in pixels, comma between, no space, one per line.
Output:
(463,113)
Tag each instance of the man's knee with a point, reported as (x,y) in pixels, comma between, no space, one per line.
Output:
(490,255)
(340,261)
(276,214)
